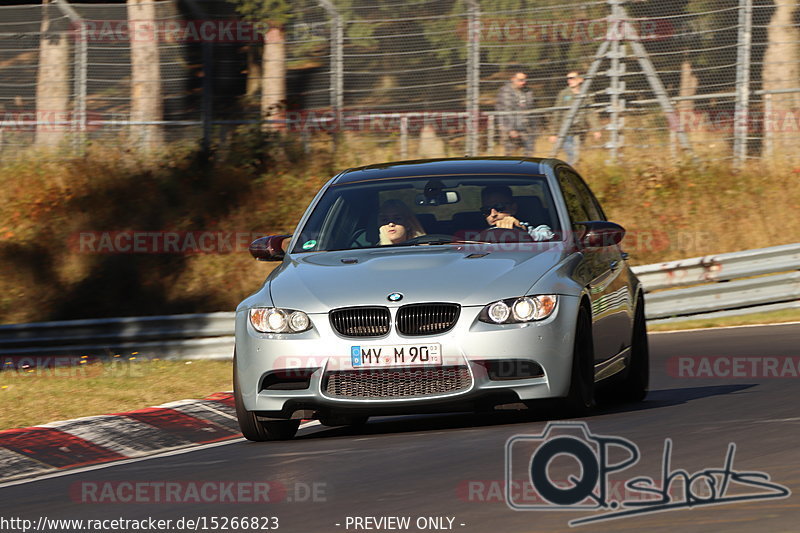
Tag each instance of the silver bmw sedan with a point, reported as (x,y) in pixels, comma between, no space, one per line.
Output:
(439,286)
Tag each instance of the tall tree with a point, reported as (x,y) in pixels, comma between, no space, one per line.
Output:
(52,84)
(146,96)
(781,70)
(277,14)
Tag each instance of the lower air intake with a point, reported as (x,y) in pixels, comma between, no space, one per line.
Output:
(397,383)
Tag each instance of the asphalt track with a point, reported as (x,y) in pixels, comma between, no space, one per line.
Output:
(453,466)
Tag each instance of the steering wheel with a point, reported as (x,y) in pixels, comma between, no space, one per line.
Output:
(491,234)
(354,238)
(431,237)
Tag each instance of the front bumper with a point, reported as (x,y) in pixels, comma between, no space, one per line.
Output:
(547,343)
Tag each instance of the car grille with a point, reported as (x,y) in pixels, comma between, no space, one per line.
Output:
(427,319)
(361,321)
(397,383)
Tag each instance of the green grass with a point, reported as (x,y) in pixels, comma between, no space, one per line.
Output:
(40,395)
(787,315)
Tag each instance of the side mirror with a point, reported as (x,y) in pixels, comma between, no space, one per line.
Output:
(599,233)
(269,248)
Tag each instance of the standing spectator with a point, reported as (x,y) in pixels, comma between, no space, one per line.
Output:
(516,128)
(585,120)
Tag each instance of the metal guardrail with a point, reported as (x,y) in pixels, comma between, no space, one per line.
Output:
(190,336)
(700,287)
(722,285)
(720,267)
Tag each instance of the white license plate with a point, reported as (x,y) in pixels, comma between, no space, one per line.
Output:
(395,355)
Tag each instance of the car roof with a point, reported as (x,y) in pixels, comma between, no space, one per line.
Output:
(443,167)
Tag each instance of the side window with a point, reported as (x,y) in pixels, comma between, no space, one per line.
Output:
(576,192)
(575,207)
(589,198)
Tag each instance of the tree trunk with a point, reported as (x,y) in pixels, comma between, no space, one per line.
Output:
(273,85)
(253,71)
(52,83)
(146,99)
(781,70)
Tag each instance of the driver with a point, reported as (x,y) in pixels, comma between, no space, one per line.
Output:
(499,208)
(397,223)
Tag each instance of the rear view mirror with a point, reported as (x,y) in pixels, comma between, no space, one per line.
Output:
(441,198)
(270,248)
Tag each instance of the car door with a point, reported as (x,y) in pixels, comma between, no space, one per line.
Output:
(608,283)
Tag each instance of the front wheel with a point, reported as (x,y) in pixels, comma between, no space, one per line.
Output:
(259,430)
(580,399)
(634,387)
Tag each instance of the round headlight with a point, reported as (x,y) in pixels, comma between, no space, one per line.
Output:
(276,320)
(524,309)
(498,312)
(298,321)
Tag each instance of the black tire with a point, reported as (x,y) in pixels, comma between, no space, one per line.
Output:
(580,399)
(258,430)
(634,387)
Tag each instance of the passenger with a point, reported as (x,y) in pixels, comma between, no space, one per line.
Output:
(398,223)
(499,208)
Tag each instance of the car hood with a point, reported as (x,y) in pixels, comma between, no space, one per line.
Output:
(318,282)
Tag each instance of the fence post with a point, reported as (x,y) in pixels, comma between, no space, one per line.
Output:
(740,116)
(336,66)
(767,127)
(616,32)
(473,76)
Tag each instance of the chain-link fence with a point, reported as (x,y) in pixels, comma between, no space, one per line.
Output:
(718,79)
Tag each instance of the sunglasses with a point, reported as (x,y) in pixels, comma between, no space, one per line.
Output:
(399,220)
(572,77)
(521,80)
(501,207)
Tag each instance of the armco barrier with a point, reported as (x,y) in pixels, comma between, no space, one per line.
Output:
(719,285)
(700,287)
(720,267)
(190,336)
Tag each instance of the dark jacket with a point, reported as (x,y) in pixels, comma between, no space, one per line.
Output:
(511,99)
(586,120)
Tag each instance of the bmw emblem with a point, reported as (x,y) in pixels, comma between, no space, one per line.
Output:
(395,297)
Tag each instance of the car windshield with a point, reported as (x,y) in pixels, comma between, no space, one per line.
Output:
(429,211)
